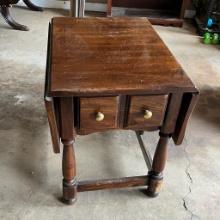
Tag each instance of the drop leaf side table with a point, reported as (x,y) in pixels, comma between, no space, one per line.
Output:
(113,73)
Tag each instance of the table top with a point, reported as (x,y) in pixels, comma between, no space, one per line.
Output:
(111,56)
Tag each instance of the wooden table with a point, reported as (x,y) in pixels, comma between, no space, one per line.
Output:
(113,73)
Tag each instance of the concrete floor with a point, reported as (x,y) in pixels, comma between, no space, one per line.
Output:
(30,183)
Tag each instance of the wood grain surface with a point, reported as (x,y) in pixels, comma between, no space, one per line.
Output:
(138,104)
(118,67)
(111,56)
(89,107)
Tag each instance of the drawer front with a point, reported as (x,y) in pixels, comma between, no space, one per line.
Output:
(146,111)
(98,113)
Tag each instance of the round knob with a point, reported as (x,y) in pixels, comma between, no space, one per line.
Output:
(100,116)
(148,114)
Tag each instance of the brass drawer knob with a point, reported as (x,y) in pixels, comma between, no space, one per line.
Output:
(148,114)
(100,116)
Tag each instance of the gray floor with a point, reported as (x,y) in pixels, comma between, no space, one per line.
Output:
(30,183)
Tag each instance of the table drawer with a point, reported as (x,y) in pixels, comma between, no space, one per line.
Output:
(98,113)
(146,111)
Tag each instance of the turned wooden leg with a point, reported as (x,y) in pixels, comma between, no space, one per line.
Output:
(69,172)
(7,16)
(32,6)
(67,138)
(159,161)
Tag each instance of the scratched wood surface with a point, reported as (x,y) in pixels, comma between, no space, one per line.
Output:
(114,73)
(111,56)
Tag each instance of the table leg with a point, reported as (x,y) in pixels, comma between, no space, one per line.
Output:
(159,161)
(109,8)
(69,172)
(67,138)
(7,16)
(32,6)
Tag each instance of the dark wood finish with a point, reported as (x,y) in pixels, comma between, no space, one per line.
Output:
(188,105)
(89,107)
(160,155)
(124,56)
(117,67)
(163,12)
(69,164)
(109,7)
(112,183)
(49,104)
(159,161)
(122,117)
(4,9)
(173,108)
(138,104)
(166,22)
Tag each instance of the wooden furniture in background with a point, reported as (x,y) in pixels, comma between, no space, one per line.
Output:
(164,12)
(113,73)
(4,8)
